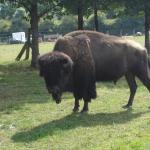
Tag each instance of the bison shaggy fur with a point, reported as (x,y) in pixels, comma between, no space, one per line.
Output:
(81,58)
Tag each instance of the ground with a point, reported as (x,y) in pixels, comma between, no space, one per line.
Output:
(30,120)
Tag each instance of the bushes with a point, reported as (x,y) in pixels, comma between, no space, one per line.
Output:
(107,23)
(5,25)
(47,26)
(64,25)
(129,25)
(67,24)
(90,22)
(122,25)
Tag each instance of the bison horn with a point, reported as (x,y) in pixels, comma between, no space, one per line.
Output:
(67,65)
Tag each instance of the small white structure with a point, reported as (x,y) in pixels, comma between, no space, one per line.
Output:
(19,36)
(138,33)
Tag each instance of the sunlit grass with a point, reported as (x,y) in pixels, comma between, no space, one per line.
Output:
(139,39)
(30,120)
(8,53)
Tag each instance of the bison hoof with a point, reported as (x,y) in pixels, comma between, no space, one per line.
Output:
(127,106)
(75,109)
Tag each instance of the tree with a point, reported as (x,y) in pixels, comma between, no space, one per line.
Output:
(96,6)
(93,7)
(35,9)
(136,7)
(77,7)
(11,19)
(85,7)
(101,17)
(95,16)
(147,24)
(80,15)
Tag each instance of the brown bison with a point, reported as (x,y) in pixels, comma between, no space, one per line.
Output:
(81,58)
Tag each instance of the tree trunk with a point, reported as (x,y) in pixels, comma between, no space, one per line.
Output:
(147,27)
(26,48)
(95,16)
(29,44)
(22,51)
(34,31)
(80,16)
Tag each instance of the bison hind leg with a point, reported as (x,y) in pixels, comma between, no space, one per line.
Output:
(133,86)
(145,80)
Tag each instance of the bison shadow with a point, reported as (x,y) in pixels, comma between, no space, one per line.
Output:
(74,121)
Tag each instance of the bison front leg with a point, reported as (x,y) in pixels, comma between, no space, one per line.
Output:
(76,105)
(133,86)
(85,107)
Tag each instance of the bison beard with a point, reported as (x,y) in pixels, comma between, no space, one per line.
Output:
(81,58)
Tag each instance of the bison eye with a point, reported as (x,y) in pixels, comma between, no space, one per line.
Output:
(64,61)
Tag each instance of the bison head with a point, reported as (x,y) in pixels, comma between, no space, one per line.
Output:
(56,69)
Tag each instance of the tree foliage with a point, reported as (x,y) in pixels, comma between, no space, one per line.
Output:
(136,7)
(35,9)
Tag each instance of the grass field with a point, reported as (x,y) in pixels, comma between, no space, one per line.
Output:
(30,120)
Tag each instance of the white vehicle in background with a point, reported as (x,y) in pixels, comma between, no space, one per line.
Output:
(138,33)
(18,37)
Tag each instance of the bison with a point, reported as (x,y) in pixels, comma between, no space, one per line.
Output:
(81,58)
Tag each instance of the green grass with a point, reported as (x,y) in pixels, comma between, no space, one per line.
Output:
(30,120)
